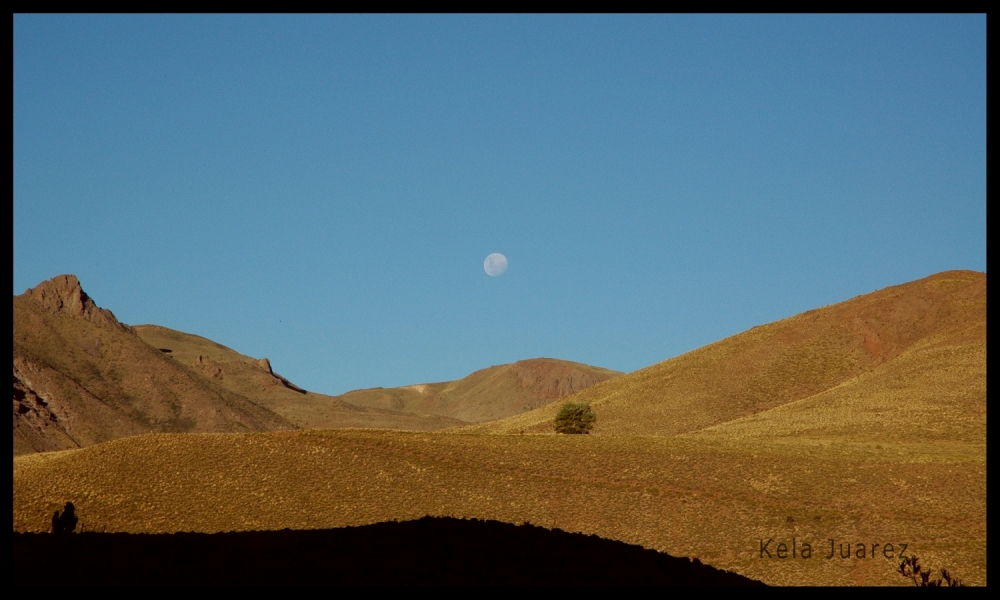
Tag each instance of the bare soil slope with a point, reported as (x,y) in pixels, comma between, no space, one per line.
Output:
(917,347)
(488,394)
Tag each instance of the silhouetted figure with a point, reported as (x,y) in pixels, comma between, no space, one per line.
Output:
(66,522)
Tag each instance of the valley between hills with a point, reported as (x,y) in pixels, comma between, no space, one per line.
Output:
(863,422)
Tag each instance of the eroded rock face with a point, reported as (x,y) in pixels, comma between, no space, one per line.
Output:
(265,365)
(208,366)
(63,295)
(554,379)
(81,378)
(29,406)
(37,423)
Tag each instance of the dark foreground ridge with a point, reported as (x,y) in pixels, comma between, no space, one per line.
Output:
(428,551)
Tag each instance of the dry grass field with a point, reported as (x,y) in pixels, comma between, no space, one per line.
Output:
(686,497)
(863,422)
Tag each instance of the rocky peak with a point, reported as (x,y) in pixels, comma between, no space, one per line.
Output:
(63,295)
(265,365)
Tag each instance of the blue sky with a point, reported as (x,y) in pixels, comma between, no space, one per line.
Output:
(323,190)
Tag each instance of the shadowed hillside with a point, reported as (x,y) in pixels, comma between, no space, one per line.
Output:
(489,394)
(429,551)
(81,377)
(913,347)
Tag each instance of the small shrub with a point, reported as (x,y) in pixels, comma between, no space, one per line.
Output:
(911,569)
(575,418)
(65,522)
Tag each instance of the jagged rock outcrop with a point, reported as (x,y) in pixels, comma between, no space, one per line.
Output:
(54,412)
(63,295)
(37,426)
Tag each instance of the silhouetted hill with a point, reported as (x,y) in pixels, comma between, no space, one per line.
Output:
(428,551)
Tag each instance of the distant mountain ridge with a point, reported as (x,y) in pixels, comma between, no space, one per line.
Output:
(82,377)
(493,393)
(255,379)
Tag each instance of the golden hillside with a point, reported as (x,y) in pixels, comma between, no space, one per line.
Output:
(686,497)
(488,394)
(933,394)
(916,349)
(861,422)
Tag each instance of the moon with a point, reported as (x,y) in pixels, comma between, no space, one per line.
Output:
(495,264)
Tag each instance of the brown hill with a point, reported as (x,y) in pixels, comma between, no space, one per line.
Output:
(81,377)
(907,362)
(254,379)
(488,394)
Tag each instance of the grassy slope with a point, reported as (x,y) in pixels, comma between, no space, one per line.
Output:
(243,375)
(798,358)
(931,398)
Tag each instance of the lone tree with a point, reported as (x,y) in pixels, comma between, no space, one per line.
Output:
(575,418)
